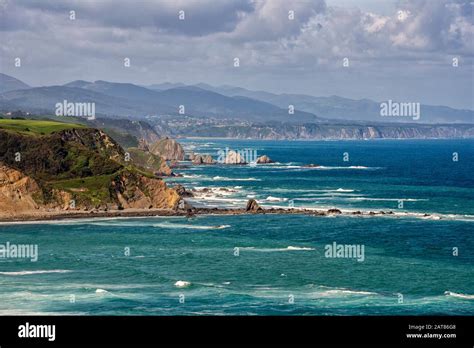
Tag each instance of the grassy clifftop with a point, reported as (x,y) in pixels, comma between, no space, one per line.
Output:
(36,127)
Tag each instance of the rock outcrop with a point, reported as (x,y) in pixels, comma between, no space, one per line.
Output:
(264,159)
(16,191)
(234,157)
(181,190)
(252,206)
(203,159)
(168,148)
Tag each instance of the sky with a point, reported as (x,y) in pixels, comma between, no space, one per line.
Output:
(392,49)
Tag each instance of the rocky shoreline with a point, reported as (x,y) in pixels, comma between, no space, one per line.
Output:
(252,208)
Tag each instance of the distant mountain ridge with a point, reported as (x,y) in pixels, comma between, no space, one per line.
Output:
(335,107)
(9,83)
(115,99)
(129,100)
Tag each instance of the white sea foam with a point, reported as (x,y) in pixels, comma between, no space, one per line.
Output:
(276,199)
(344,292)
(349,167)
(463,296)
(191,227)
(431,217)
(386,199)
(20,273)
(288,248)
(217,199)
(223,178)
(344,190)
(182,284)
(81,220)
(216,191)
(298,248)
(192,176)
(290,190)
(305,167)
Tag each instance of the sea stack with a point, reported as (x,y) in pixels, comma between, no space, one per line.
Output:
(252,206)
(203,159)
(168,148)
(234,157)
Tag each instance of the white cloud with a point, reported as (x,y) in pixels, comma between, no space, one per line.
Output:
(203,46)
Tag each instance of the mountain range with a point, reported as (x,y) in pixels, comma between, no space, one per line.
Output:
(335,107)
(206,101)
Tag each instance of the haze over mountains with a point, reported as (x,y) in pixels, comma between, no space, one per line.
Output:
(9,83)
(203,100)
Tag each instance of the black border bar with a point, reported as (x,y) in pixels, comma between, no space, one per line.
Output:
(192,330)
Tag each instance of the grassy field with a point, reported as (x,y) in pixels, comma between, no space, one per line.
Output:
(36,127)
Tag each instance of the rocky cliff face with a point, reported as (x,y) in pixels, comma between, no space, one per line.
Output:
(16,191)
(138,191)
(168,148)
(148,161)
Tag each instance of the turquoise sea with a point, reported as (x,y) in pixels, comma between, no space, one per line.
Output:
(419,260)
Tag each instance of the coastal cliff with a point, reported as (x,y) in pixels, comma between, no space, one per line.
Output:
(323,131)
(55,167)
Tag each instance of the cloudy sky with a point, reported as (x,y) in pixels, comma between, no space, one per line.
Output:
(401,50)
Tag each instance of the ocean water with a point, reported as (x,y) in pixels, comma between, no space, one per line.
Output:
(270,264)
